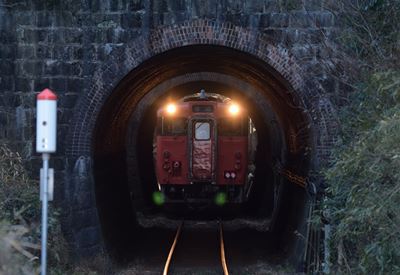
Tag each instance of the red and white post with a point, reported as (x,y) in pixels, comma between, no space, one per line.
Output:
(46,143)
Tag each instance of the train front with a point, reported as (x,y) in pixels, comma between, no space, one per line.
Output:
(201,150)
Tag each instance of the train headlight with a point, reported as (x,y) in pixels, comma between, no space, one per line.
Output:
(171,109)
(234,109)
(233,175)
(227,175)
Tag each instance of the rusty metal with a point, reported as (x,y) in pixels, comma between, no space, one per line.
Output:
(292,177)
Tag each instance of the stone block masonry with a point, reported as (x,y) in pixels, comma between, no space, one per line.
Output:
(60,43)
(63,44)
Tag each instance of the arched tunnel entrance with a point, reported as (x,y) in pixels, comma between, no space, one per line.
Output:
(124,178)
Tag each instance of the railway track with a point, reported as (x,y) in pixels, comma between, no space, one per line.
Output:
(176,239)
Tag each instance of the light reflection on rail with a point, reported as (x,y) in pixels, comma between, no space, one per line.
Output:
(221,244)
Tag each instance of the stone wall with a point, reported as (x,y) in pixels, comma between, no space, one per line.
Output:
(63,44)
(59,44)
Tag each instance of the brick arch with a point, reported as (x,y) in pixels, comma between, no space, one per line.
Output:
(79,204)
(127,57)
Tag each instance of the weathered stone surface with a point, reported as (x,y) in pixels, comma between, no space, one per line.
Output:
(64,45)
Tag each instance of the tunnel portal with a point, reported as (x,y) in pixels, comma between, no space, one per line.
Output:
(124,174)
(110,175)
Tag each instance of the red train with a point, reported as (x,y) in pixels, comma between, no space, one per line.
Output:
(202,149)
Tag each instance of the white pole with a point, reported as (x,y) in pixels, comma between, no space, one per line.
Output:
(46,143)
(45,187)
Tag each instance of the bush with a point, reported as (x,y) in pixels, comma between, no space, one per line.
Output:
(18,195)
(20,214)
(364,193)
(18,207)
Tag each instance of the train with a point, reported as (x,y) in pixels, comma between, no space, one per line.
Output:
(201,150)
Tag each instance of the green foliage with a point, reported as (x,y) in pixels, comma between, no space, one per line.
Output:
(363,197)
(18,246)
(20,220)
(18,196)
(290,5)
(364,193)
(373,101)
(371,32)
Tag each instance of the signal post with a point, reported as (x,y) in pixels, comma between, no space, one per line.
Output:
(46,143)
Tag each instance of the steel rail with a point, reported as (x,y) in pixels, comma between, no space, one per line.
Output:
(222,250)
(171,251)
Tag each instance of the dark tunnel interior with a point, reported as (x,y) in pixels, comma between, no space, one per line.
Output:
(123,143)
(142,127)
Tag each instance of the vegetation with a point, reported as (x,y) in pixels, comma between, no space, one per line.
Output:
(363,197)
(18,248)
(20,221)
(363,194)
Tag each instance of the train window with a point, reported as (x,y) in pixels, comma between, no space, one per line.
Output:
(174,126)
(202,130)
(202,109)
(230,127)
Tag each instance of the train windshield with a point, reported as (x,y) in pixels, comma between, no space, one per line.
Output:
(202,130)
(173,126)
(232,127)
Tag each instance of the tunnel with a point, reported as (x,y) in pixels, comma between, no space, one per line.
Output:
(122,144)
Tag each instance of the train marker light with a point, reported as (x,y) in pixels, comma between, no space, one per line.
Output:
(220,199)
(158,198)
(234,109)
(171,109)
